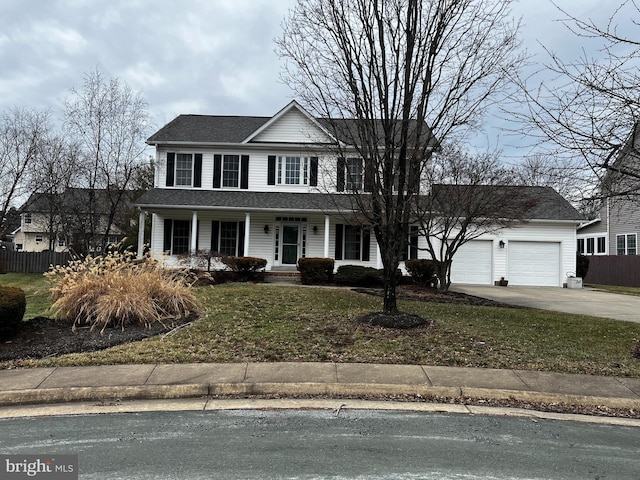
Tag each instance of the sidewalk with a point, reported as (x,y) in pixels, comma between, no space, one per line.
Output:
(171,381)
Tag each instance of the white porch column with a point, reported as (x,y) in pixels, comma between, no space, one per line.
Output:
(141,218)
(378,257)
(247,228)
(326,236)
(194,231)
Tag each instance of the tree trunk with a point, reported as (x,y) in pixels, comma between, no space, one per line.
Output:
(390,306)
(442,272)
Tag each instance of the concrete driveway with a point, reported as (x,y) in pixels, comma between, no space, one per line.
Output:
(585,301)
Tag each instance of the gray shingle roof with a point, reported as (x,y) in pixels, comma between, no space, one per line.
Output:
(548,204)
(223,199)
(208,129)
(541,203)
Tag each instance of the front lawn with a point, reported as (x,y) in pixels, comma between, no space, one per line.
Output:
(36,289)
(258,323)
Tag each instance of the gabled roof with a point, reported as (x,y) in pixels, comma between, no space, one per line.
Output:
(220,129)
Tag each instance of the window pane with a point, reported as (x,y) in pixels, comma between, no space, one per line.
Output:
(230,170)
(183,169)
(590,245)
(354,174)
(228,236)
(620,245)
(180,237)
(581,245)
(351,242)
(631,244)
(292,171)
(602,245)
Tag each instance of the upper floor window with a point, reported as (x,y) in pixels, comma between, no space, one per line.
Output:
(230,170)
(184,169)
(27,218)
(293,170)
(626,244)
(354,174)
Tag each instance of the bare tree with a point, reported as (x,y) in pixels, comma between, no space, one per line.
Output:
(467,197)
(20,134)
(410,73)
(110,124)
(591,108)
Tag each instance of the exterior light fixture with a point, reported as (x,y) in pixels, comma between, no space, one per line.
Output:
(501,244)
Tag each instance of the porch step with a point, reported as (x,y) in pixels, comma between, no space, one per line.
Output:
(282,276)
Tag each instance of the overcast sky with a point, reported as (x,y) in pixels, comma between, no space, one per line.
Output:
(188,56)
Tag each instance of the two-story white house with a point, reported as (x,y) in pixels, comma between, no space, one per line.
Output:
(271,187)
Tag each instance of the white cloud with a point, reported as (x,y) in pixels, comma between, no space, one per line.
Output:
(52,38)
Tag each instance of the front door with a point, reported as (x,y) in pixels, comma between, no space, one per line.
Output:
(290,242)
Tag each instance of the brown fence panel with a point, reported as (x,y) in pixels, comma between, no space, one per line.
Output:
(31,262)
(623,270)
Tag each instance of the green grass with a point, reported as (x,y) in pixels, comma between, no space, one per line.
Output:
(36,289)
(258,323)
(618,289)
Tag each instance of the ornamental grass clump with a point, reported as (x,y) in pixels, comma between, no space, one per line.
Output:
(116,290)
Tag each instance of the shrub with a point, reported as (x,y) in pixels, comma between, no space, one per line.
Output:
(315,271)
(582,265)
(118,290)
(248,269)
(358,276)
(422,271)
(13,304)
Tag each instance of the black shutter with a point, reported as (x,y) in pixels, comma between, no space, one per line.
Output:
(244,172)
(271,170)
(413,242)
(197,170)
(217,170)
(241,239)
(313,173)
(215,233)
(168,224)
(339,230)
(366,244)
(369,176)
(340,176)
(171,165)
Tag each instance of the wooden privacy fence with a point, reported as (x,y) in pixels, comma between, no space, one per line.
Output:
(31,262)
(623,270)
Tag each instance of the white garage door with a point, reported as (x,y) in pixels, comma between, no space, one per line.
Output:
(472,263)
(534,263)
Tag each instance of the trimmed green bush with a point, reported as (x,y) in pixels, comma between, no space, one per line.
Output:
(314,271)
(248,269)
(421,270)
(13,304)
(359,276)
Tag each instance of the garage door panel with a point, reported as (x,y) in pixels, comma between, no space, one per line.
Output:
(472,263)
(534,263)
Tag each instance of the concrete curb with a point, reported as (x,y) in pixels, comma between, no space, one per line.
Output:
(339,390)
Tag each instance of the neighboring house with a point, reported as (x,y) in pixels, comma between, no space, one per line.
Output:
(615,230)
(270,187)
(60,222)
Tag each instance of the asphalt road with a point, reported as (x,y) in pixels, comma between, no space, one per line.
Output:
(324,444)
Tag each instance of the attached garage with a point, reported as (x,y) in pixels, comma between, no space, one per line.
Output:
(534,263)
(472,263)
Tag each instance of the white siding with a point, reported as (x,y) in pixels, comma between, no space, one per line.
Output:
(292,127)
